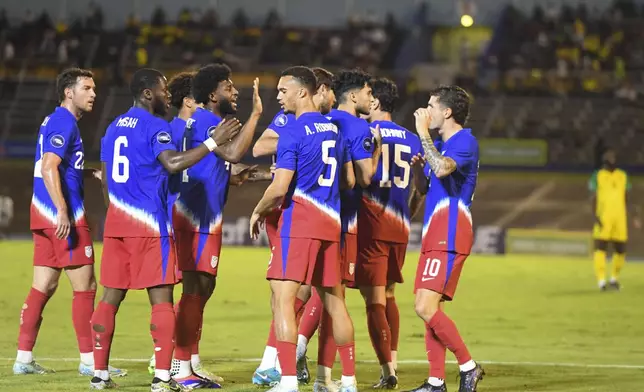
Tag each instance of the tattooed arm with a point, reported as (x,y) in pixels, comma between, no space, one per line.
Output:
(441,166)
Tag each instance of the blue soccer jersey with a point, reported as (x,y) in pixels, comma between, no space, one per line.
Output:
(448,221)
(311,208)
(59,134)
(204,187)
(178,128)
(358,142)
(384,213)
(136,181)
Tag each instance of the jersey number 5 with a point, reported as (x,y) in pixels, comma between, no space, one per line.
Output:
(120,163)
(330,162)
(401,182)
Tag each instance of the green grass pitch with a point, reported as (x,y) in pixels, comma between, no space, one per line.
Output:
(536,321)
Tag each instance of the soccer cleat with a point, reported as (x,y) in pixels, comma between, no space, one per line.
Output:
(427,387)
(33,367)
(321,386)
(196,382)
(470,379)
(614,285)
(98,383)
(159,385)
(200,371)
(266,378)
(390,382)
(152,365)
(350,388)
(303,375)
(280,388)
(88,370)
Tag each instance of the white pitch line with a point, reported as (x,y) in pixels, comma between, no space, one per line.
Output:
(403,362)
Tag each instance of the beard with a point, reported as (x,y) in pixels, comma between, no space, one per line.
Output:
(226,108)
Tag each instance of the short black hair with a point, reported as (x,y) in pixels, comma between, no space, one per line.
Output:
(68,79)
(143,79)
(348,80)
(455,98)
(386,92)
(324,77)
(180,87)
(207,79)
(304,75)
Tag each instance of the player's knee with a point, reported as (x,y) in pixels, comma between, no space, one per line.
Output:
(620,247)
(390,290)
(601,245)
(47,287)
(426,309)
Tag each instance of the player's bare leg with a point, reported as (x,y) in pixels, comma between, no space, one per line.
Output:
(619,259)
(428,308)
(343,334)
(284,293)
(393,318)
(269,371)
(599,261)
(43,287)
(198,287)
(375,298)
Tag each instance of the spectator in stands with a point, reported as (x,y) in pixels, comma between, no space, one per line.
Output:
(158,18)
(4,20)
(6,212)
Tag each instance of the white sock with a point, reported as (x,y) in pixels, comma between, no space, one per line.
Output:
(384,370)
(394,358)
(277,365)
(195,360)
(467,366)
(435,381)
(24,356)
(163,375)
(185,369)
(269,358)
(602,283)
(302,341)
(87,358)
(289,382)
(102,374)
(348,381)
(324,374)
(613,280)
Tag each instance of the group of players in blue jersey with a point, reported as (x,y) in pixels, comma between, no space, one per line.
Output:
(343,188)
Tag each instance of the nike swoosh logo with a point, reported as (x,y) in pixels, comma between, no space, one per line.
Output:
(426,279)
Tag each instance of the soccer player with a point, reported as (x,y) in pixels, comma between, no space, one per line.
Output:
(307,184)
(383,229)
(62,240)
(137,156)
(609,187)
(269,371)
(199,208)
(452,164)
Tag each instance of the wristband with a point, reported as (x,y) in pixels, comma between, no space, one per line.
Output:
(210,143)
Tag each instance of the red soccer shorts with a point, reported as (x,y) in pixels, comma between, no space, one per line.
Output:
(439,271)
(138,262)
(76,250)
(380,262)
(271,222)
(348,256)
(305,260)
(198,251)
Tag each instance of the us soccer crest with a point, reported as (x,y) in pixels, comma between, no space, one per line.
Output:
(214,261)
(88,251)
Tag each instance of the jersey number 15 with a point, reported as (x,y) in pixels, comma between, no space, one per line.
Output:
(401,182)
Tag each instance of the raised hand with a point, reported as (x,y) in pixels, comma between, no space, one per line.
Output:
(257,100)
(423,120)
(377,136)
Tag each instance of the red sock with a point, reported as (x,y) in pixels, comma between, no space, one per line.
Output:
(299,310)
(436,352)
(82,309)
(348,359)
(31,318)
(188,322)
(393,318)
(162,329)
(445,330)
(286,356)
(195,347)
(272,340)
(326,342)
(311,317)
(103,321)
(379,332)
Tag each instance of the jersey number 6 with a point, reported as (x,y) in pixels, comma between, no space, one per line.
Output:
(120,163)
(331,163)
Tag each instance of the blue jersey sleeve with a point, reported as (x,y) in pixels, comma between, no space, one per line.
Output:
(160,136)
(360,142)
(59,135)
(287,152)
(464,154)
(103,150)
(280,121)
